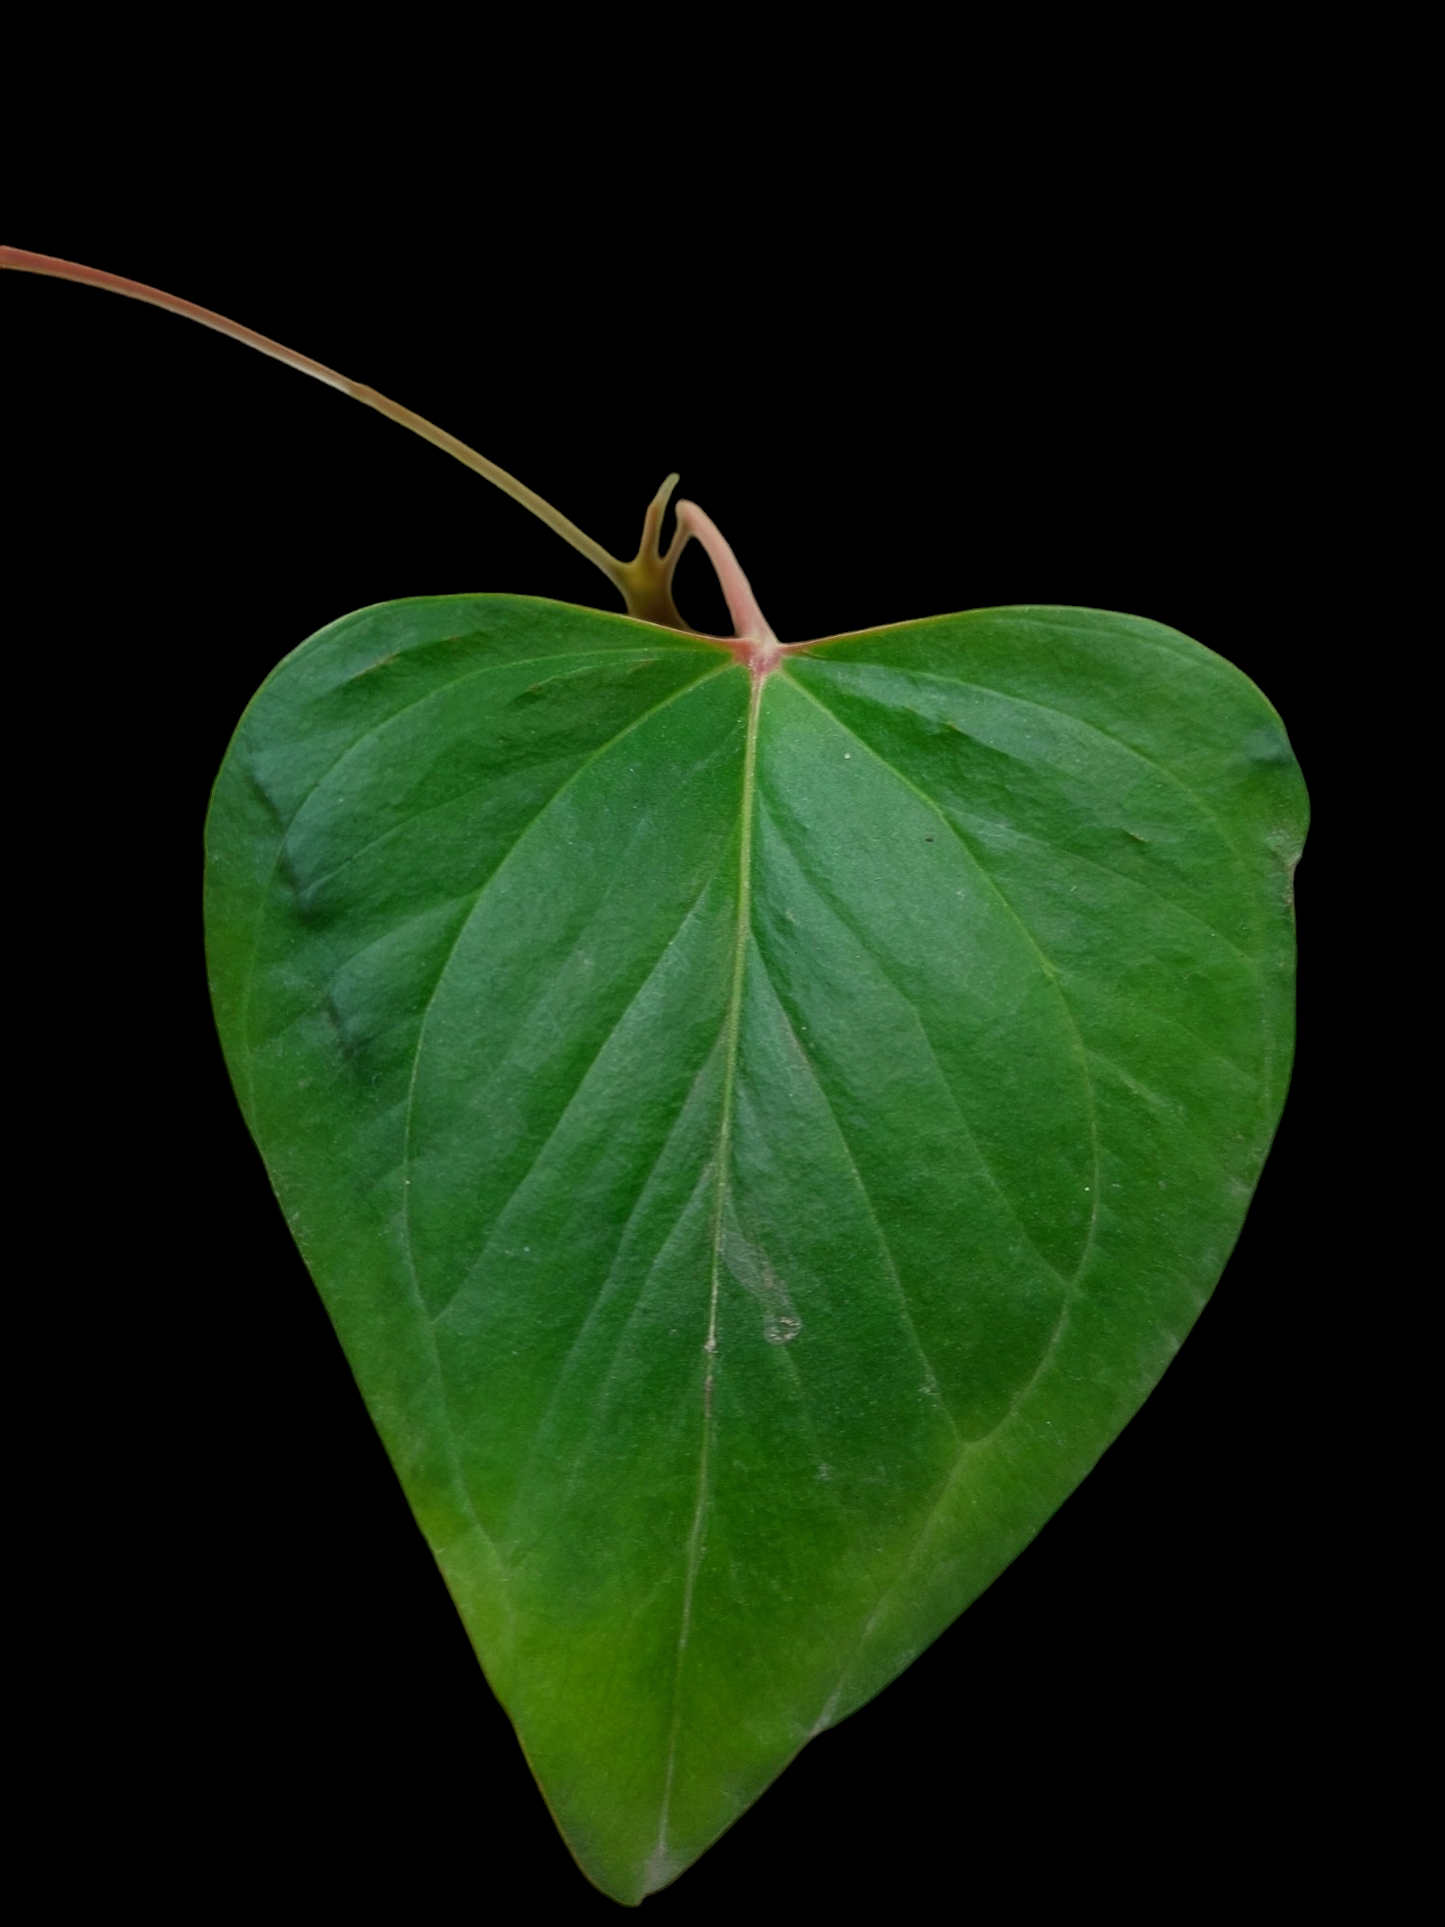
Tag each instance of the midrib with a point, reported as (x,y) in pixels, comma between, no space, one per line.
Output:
(657,1865)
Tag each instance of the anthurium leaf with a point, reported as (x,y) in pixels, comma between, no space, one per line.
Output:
(759,1135)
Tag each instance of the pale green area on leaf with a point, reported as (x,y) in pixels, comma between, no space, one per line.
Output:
(756,1153)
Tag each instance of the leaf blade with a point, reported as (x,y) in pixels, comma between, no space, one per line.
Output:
(773,1010)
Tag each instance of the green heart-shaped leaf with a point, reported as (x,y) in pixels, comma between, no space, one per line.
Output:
(759,1135)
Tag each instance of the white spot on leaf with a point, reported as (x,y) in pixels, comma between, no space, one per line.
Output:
(748,1265)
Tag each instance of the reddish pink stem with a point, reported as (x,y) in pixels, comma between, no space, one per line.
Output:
(749,623)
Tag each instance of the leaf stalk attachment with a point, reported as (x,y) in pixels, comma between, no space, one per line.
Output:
(644,583)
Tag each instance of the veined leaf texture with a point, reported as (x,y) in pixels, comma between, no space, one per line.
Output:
(759,1137)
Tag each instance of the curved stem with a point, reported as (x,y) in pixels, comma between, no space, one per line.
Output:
(615,571)
(749,622)
(644,583)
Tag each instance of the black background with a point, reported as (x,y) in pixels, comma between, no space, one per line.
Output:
(886,423)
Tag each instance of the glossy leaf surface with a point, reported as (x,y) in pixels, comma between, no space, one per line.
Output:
(758,1141)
